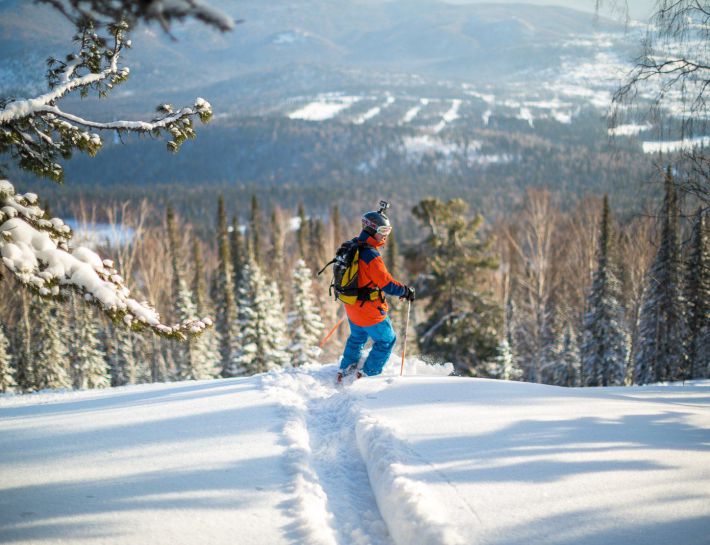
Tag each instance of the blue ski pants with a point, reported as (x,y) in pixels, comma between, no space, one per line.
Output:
(383,339)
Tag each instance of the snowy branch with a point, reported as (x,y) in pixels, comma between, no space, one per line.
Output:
(36,251)
(37,132)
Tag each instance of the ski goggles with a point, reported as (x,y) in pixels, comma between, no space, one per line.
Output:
(384,230)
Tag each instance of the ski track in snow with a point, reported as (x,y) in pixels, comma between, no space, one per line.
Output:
(334,503)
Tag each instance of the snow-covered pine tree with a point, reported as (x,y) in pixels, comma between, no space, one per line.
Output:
(552,346)
(123,366)
(223,297)
(207,344)
(255,227)
(275,330)
(49,350)
(261,323)
(276,253)
(304,321)
(302,233)
(698,299)
(7,371)
(190,357)
(661,353)
(238,253)
(504,366)
(89,368)
(567,373)
(24,356)
(605,347)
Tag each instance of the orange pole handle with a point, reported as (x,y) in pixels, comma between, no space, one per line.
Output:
(330,334)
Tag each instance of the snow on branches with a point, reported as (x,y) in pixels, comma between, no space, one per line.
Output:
(36,251)
(38,132)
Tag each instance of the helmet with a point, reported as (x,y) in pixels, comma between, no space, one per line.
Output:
(376,222)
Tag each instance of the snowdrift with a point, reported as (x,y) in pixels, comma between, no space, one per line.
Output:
(288,457)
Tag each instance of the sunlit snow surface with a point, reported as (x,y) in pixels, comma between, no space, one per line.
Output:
(325,107)
(423,459)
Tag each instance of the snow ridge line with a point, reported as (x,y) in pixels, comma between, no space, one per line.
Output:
(409,509)
(310,506)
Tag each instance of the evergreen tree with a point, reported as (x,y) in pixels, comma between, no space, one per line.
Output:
(122,361)
(316,250)
(462,323)
(302,233)
(49,354)
(87,359)
(276,255)
(238,252)
(7,372)
(255,229)
(191,357)
(567,373)
(552,347)
(304,321)
(698,299)
(25,363)
(606,341)
(207,344)
(504,366)
(261,322)
(226,319)
(661,354)
(337,227)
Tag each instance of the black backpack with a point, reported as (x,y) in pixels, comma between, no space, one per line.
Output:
(345,275)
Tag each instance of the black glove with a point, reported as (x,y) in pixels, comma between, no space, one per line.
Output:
(408,294)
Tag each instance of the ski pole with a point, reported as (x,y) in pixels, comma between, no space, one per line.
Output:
(325,340)
(404,343)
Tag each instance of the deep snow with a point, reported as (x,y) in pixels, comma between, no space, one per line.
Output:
(288,457)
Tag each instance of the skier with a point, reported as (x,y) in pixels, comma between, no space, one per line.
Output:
(368,317)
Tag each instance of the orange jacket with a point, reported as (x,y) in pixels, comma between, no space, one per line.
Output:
(372,273)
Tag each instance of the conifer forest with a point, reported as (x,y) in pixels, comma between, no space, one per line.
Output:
(542,252)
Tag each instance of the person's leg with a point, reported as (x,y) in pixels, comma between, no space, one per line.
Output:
(384,338)
(353,347)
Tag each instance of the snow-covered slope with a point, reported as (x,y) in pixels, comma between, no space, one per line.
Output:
(423,459)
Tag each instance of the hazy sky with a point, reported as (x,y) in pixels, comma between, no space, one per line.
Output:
(639,9)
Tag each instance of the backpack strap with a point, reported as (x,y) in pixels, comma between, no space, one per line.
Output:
(326,266)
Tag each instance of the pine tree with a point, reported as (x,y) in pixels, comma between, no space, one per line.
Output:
(567,373)
(304,321)
(661,354)
(504,366)
(462,322)
(207,344)
(337,228)
(122,361)
(191,357)
(25,363)
(7,372)
(87,359)
(606,341)
(302,233)
(698,298)
(255,229)
(316,250)
(49,354)
(226,320)
(261,323)
(276,255)
(238,252)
